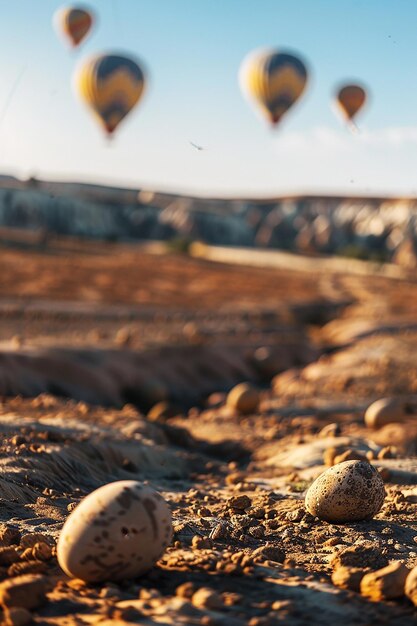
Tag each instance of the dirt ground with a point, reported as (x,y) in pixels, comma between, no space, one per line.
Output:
(94,335)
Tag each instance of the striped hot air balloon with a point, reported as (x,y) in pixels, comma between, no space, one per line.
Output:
(350,99)
(111,85)
(273,80)
(74,23)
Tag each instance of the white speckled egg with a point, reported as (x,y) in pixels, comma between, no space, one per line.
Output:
(118,531)
(347,492)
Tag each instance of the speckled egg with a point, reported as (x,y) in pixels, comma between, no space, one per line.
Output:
(385,411)
(118,531)
(243,398)
(347,492)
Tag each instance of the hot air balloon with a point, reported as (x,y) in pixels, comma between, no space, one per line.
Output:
(350,99)
(73,23)
(111,85)
(273,80)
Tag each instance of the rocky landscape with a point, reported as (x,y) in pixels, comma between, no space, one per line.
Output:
(117,362)
(378,229)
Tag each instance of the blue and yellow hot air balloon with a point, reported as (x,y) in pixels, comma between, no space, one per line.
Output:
(74,23)
(111,85)
(350,99)
(273,80)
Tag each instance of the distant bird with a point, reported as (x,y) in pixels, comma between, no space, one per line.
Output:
(199,148)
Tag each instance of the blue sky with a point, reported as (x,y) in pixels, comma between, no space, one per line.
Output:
(192,50)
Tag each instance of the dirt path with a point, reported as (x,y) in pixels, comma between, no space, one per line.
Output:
(106,325)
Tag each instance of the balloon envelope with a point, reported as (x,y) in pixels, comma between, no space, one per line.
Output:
(350,100)
(273,80)
(73,23)
(111,85)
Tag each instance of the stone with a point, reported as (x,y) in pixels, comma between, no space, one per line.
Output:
(163,411)
(239,502)
(411,586)
(31,539)
(9,535)
(388,452)
(201,543)
(330,430)
(348,577)
(269,553)
(17,616)
(387,583)
(28,592)
(41,551)
(360,555)
(186,590)
(27,567)
(8,556)
(349,455)
(206,598)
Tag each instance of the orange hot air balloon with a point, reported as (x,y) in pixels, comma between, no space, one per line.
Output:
(74,23)
(350,99)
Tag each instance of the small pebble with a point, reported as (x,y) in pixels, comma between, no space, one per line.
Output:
(239,502)
(28,592)
(269,553)
(411,586)
(8,555)
(360,555)
(163,411)
(348,577)
(17,616)
(29,540)
(186,590)
(201,543)
(9,535)
(349,455)
(387,453)
(206,598)
(330,430)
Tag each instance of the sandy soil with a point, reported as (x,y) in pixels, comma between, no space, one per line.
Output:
(116,329)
